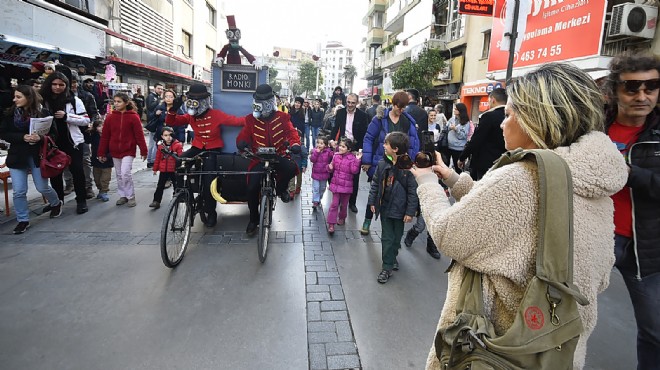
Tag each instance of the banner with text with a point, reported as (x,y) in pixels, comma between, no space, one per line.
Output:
(548,31)
(476,7)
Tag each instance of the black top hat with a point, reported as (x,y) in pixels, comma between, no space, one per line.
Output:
(198,91)
(263,92)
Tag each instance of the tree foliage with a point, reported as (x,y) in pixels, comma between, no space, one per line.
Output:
(349,75)
(272,80)
(307,77)
(420,73)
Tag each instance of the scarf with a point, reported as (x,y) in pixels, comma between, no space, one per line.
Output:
(20,120)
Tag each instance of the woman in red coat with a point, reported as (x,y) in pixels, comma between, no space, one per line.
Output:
(122,132)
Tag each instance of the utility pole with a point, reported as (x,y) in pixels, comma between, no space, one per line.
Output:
(512,46)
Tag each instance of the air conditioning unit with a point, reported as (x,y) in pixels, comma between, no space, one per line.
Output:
(633,20)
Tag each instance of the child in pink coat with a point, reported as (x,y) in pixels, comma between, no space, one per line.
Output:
(344,165)
(321,157)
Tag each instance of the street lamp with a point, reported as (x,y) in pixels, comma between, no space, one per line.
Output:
(375,46)
(316,59)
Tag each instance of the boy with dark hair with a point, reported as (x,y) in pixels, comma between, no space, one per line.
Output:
(393,196)
(165,163)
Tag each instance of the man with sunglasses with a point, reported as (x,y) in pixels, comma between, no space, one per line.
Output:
(633,124)
(206,124)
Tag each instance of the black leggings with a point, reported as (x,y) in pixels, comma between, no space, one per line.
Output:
(209,202)
(160,188)
(286,170)
(76,169)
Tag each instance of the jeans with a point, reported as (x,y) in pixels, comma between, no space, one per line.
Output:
(123,168)
(645,297)
(152,148)
(19,184)
(306,133)
(318,189)
(315,134)
(419,225)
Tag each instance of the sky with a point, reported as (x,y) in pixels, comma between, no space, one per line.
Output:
(300,24)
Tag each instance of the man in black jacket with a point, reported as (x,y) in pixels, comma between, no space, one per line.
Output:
(153,100)
(371,111)
(418,113)
(352,123)
(633,124)
(487,143)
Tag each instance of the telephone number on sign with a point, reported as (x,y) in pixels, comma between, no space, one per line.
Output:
(531,55)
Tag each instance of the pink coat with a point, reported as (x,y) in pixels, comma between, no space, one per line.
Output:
(344,167)
(320,162)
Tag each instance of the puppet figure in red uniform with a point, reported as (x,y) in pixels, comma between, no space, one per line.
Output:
(206,124)
(233,50)
(268,127)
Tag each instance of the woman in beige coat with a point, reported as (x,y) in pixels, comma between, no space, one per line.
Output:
(492,228)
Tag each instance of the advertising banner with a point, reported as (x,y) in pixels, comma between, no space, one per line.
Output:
(547,31)
(476,7)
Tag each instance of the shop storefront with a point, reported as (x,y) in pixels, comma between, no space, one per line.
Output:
(475,96)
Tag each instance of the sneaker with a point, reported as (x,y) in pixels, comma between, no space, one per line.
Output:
(21,227)
(341,222)
(353,208)
(131,202)
(315,204)
(251,228)
(104,197)
(68,189)
(99,196)
(168,184)
(331,228)
(154,205)
(433,252)
(121,201)
(384,276)
(365,227)
(150,164)
(410,237)
(395,266)
(56,211)
(89,194)
(285,197)
(292,194)
(298,190)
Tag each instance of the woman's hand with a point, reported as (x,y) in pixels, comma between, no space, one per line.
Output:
(31,138)
(59,114)
(407,219)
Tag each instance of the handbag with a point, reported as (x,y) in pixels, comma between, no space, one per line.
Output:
(443,141)
(152,124)
(52,160)
(547,324)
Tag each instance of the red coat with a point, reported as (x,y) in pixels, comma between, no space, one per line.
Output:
(165,162)
(206,128)
(271,133)
(122,132)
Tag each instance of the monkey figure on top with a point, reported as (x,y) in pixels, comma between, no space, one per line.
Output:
(233,50)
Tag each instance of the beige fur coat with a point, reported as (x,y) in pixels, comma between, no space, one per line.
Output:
(492,229)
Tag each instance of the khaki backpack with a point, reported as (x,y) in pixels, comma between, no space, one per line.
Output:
(547,325)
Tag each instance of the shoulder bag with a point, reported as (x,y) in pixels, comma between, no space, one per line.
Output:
(52,160)
(547,325)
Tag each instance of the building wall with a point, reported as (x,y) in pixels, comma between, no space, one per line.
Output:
(334,58)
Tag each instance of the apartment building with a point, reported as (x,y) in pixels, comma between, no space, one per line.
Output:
(334,57)
(287,63)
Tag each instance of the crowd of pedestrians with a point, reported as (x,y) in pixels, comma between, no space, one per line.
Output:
(615,185)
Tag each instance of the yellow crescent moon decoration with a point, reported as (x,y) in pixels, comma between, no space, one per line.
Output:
(214,192)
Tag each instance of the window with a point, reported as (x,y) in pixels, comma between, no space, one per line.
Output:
(212,15)
(210,54)
(186,39)
(80,4)
(485,50)
(377,20)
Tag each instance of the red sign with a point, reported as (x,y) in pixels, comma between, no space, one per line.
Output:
(548,31)
(476,7)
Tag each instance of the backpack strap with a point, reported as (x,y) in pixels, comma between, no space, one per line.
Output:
(554,256)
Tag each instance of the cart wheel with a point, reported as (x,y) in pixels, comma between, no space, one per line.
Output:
(175,232)
(264,226)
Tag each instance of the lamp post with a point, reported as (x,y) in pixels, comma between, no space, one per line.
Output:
(374,46)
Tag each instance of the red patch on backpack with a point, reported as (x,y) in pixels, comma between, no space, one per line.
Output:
(534,318)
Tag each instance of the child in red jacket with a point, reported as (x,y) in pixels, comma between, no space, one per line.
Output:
(165,164)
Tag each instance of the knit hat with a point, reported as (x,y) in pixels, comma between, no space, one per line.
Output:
(39,66)
(299,99)
(50,65)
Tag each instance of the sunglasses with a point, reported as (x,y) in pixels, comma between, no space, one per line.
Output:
(422,160)
(633,86)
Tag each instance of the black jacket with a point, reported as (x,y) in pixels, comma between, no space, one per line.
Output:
(421,118)
(19,150)
(90,103)
(360,124)
(393,191)
(644,182)
(371,111)
(152,103)
(487,143)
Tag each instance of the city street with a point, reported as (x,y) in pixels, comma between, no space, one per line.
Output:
(91,292)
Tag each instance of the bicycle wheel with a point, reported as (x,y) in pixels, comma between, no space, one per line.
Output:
(264,226)
(175,232)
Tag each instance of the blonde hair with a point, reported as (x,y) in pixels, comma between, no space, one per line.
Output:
(556,104)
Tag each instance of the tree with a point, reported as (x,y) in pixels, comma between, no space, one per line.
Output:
(307,77)
(296,88)
(349,76)
(420,73)
(272,80)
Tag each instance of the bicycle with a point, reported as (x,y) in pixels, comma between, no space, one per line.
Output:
(188,201)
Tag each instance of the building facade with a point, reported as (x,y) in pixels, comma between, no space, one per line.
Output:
(334,57)
(287,63)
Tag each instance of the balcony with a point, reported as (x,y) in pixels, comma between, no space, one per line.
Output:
(375,36)
(396,13)
(437,44)
(372,73)
(393,59)
(374,6)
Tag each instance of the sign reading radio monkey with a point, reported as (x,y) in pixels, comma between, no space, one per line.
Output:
(548,31)
(239,80)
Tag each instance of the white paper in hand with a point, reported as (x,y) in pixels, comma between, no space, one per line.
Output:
(40,126)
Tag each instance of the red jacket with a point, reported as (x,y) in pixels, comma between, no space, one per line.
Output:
(122,132)
(165,162)
(206,128)
(271,133)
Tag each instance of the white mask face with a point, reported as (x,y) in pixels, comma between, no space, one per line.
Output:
(256,114)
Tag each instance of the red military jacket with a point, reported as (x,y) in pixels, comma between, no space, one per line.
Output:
(207,127)
(271,133)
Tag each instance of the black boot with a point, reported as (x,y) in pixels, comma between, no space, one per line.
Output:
(431,249)
(410,237)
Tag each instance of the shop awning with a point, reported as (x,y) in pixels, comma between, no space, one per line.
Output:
(22,52)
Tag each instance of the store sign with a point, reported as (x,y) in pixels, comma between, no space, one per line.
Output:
(23,54)
(480,89)
(476,7)
(548,31)
(239,80)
